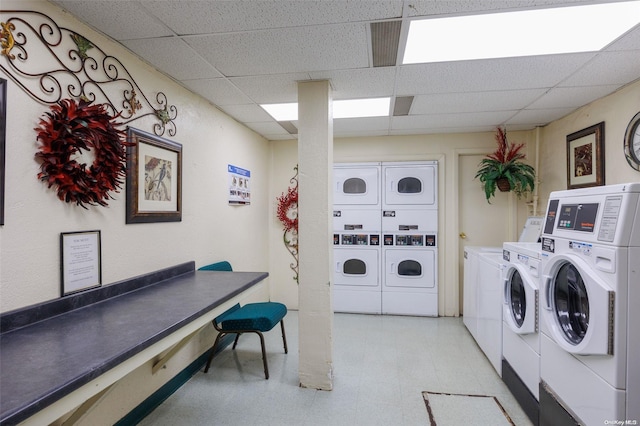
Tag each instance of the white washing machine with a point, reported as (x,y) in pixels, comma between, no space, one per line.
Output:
(520,327)
(483,292)
(489,307)
(590,294)
(357,185)
(410,274)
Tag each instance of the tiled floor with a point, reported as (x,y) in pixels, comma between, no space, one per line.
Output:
(382,364)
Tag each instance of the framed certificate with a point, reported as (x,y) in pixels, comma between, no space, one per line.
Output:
(80,258)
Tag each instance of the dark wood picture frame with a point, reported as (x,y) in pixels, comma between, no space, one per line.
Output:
(154,178)
(585,157)
(3,137)
(80,261)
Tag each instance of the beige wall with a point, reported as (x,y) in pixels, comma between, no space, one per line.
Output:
(210,229)
(616,111)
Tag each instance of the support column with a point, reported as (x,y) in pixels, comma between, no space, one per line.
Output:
(315,172)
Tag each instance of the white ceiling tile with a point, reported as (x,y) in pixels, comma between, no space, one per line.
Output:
(354,125)
(571,97)
(266,89)
(489,74)
(474,101)
(202,17)
(219,91)
(457,7)
(271,128)
(451,120)
(126,21)
(607,68)
(285,50)
(539,117)
(247,113)
(174,57)
(359,83)
(630,41)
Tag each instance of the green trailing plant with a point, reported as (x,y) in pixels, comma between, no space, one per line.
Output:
(505,169)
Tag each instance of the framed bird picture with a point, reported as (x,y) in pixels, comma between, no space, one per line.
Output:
(154,178)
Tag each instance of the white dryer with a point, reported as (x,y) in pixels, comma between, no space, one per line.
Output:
(410,274)
(520,337)
(590,294)
(357,185)
(410,185)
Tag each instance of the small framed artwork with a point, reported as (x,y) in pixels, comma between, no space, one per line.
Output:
(585,157)
(80,258)
(3,135)
(154,178)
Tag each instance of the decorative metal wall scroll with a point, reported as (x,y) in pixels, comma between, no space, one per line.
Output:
(51,63)
(288,216)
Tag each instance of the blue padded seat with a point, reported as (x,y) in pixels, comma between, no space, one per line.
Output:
(250,318)
(254,316)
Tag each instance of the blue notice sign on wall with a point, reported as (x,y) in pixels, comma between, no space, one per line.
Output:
(239,185)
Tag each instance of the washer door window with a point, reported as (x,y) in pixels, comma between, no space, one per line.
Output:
(571,303)
(520,301)
(578,308)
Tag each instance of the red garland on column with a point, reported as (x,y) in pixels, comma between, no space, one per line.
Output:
(70,128)
(288,215)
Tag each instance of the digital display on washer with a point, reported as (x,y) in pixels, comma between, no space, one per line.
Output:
(578,217)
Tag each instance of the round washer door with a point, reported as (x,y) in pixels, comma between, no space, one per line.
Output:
(577,307)
(520,301)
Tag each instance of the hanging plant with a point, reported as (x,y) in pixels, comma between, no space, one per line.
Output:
(65,132)
(505,170)
(287,213)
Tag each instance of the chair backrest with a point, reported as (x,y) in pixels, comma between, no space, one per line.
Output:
(218,266)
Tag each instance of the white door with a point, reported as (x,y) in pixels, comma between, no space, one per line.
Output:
(479,223)
(357,185)
(410,185)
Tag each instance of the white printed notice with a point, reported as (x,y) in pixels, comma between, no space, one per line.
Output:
(239,188)
(80,261)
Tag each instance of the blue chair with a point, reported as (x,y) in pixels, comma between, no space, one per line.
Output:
(251,318)
(218,266)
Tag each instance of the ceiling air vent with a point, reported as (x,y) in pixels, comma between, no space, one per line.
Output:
(385,37)
(289,127)
(402,105)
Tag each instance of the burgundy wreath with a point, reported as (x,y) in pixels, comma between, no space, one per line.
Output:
(68,129)
(287,202)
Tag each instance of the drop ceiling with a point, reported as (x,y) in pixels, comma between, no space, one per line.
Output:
(239,54)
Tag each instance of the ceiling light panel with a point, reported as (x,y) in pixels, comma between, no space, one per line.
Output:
(350,108)
(523,33)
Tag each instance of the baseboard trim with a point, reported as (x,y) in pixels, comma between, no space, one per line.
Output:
(136,415)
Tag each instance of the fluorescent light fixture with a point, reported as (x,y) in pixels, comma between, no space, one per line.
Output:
(522,33)
(282,112)
(350,108)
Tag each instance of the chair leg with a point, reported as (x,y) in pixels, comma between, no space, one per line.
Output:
(235,342)
(264,356)
(284,337)
(213,350)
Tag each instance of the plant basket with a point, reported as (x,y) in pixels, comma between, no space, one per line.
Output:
(503,184)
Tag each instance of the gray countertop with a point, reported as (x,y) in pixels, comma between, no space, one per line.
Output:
(44,361)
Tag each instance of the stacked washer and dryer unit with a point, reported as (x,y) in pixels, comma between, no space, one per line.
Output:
(590,307)
(388,212)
